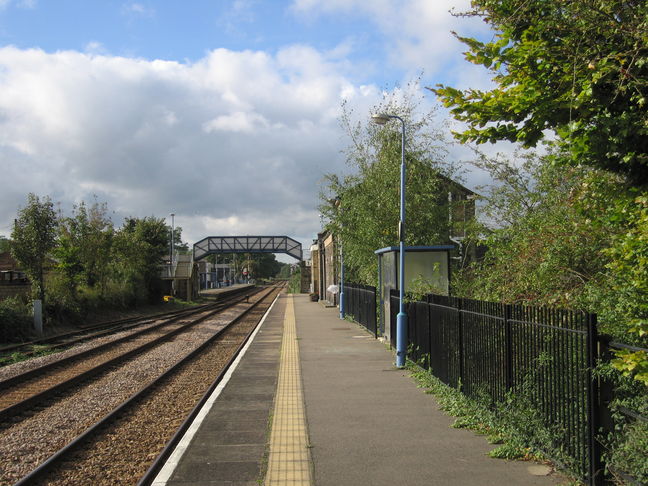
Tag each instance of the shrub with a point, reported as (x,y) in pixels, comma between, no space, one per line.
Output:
(15,319)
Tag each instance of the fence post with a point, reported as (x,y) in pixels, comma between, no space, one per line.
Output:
(606,387)
(509,346)
(595,465)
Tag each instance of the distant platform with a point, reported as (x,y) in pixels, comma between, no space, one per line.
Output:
(208,292)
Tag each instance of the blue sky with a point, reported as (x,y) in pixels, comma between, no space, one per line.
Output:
(224,112)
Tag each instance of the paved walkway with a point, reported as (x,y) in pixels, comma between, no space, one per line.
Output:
(365,423)
(370,425)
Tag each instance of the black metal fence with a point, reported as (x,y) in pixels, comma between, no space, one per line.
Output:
(360,303)
(545,355)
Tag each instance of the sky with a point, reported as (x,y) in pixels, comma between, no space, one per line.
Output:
(223,112)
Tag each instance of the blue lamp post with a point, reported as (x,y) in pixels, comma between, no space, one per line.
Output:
(401,319)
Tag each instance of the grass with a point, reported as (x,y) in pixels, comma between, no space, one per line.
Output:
(17,357)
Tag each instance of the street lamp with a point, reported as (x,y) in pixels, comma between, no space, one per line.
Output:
(401,319)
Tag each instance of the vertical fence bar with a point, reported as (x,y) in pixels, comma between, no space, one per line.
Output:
(595,466)
(509,347)
(460,341)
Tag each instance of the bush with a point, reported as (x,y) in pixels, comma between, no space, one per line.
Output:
(62,302)
(15,319)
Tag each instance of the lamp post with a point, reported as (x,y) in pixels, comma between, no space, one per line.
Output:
(172,238)
(401,319)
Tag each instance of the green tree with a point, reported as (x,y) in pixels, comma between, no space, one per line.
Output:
(5,244)
(284,270)
(34,237)
(579,68)
(140,246)
(178,245)
(85,241)
(264,265)
(368,213)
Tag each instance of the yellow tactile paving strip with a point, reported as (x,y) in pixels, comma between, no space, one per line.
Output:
(289,462)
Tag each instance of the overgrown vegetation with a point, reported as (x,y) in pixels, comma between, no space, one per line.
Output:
(581,70)
(80,263)
(294,282)
(573,224)
(15,319)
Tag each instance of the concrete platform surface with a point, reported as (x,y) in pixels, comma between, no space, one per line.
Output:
(366,422)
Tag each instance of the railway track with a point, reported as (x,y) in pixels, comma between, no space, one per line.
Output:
(90,332)
(21,392)
(123,437)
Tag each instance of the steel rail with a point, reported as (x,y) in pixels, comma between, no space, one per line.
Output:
(60,455)
(18,407)
(107,326)
(12,381)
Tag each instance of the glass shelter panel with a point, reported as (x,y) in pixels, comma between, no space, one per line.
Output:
(431,267)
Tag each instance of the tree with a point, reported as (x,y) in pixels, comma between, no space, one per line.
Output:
(263,265)
(579,68)
(140,246)
(368,213)
(178,245)
(34,237)
(5,244)
(545,234)
(84,245)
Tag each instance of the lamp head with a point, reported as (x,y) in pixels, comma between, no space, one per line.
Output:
(380,118)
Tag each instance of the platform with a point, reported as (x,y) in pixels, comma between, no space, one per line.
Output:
(326,406)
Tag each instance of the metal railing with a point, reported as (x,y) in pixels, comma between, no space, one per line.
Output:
(548,356)
(360,303)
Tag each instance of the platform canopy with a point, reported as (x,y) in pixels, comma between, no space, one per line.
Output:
(247,244)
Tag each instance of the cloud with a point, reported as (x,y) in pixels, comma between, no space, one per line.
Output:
(29,4)
(236,142)
(26,4)
(137,9)
(417,32)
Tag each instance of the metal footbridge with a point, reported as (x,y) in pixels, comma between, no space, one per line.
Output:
(247,244)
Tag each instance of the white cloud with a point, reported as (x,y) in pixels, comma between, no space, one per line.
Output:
(26,4)
(236,142)
(137,9)
(418,32)
(239,121)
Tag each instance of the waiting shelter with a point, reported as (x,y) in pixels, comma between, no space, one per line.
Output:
(427,266)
